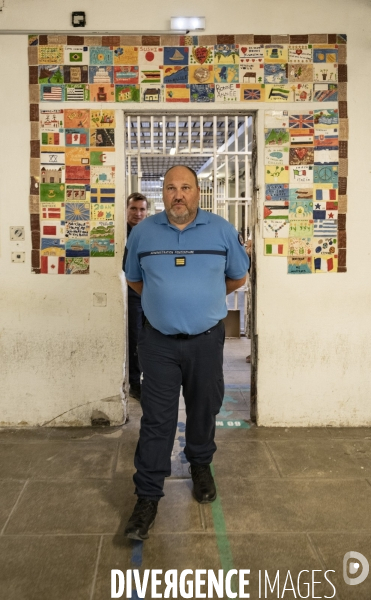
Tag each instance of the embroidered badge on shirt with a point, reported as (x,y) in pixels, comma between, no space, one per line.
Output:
(180,261)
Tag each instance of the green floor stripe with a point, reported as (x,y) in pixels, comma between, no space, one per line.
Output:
(225,553)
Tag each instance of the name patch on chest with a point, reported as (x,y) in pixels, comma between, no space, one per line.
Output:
(180,261)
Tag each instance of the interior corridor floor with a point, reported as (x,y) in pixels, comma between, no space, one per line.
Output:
(288,500)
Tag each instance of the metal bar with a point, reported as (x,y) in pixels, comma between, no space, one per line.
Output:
(176,134)
(152,135)
(189,134)
(128,133)
(201,134)
(215,168)
(164,135)
(139,186)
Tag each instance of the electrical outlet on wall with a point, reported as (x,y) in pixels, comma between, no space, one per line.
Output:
(17,233)
(18,257)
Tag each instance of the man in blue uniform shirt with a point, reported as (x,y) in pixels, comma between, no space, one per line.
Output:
(183,262)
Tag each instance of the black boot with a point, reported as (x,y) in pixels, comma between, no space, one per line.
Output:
(142,519)
(204,489)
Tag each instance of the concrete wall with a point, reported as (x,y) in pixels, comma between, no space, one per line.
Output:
(61,357)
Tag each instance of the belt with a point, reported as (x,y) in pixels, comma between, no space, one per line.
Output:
(182,336)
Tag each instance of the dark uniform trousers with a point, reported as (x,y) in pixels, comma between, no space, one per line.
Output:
(135,323)
(168,362)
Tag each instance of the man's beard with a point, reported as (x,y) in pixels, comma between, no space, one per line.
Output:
(181,219)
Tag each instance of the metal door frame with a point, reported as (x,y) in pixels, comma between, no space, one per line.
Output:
(251,211)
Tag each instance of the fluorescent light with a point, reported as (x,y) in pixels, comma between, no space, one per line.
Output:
(172,151)
(188,23)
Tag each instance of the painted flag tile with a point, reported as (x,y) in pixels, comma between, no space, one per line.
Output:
(276,247)
(52,265)
(52,192)
(324,228)
(151,56)
(300,174)
(276,210)
(77,92)
(252,92)
(177,93)
(52,157)
(52,93)
(102,195)
(325,265)
(106,157)
(279,93)
(52,210)
(76,55)
(52,229)
(77,137)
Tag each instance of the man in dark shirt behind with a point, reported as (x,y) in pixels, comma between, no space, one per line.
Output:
(137,208)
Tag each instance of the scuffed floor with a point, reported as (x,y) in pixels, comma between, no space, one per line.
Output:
(288,500)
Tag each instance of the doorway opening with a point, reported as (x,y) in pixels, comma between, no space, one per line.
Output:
(220,147)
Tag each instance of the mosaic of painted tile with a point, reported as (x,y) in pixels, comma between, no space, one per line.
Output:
(72,186)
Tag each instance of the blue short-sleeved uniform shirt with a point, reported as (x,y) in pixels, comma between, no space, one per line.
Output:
(183,271)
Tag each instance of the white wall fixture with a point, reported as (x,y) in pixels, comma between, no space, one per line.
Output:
(188,23)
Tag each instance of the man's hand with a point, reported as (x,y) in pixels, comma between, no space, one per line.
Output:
(233,284)
(136,285)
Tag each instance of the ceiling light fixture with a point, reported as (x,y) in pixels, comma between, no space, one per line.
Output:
(187,24)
